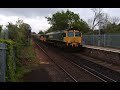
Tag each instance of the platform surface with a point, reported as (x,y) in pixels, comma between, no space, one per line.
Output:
(103,48)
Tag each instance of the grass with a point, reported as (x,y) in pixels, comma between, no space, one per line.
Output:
(28,56)
(20,72)
(28,53)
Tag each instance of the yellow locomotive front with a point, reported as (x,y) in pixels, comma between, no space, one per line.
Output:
(73,38)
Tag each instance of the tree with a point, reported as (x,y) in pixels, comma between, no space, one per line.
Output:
(64,20)
(98,19)
(19,32)
(112,25)
(25,31)
(112,28)
(19,22)
(41,32)
(13,31)
(104,22)
(114,20)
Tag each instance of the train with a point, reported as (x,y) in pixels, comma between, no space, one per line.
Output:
(42,38)
(64,38)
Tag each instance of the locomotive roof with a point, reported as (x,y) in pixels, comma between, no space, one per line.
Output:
(41,34)
(56,32)
(61,31)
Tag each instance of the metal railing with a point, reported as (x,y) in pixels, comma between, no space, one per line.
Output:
(106,40)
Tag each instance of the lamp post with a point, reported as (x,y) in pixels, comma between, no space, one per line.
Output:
(99,34)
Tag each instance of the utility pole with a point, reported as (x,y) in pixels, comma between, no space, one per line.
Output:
(99,35)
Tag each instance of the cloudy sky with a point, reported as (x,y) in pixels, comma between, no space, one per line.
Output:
(36,16)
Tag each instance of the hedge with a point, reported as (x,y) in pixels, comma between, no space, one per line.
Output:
(10,71)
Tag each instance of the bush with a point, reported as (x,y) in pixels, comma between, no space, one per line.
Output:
(10,70)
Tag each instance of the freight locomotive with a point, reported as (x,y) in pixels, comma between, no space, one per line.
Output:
(65,38)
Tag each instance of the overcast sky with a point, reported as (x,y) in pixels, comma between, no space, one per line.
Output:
(36,16)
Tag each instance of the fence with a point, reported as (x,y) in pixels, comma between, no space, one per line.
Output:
(2,61)
(106,40)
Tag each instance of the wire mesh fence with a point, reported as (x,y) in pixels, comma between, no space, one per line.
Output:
(106,40)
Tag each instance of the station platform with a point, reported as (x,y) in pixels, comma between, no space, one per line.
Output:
(103,48)
(108,57)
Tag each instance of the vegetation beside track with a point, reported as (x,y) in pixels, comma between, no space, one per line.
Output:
(28,57)
(18,42)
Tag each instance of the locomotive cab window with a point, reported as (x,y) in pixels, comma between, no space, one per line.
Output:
(77,34)
(70,34)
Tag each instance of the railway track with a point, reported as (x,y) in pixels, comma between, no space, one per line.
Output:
(108,75)
(79,67)
(114,77)
(104,72)
(57,64)
(74,60)
(92,71)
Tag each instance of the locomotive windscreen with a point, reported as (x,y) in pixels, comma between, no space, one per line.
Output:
(77,34)
(70,34)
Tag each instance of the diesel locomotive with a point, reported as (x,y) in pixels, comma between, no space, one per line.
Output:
(65,38)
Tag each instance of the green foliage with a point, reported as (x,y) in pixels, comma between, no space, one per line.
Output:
(10,72)
(13,31)
(12,75)
(24,33)
(112,28)
(19,32)
(28,53)
(63,20)
(41,32)
(19,36)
